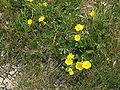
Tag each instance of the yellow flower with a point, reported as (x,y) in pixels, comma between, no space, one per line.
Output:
(45,4)
(70,56)
(29,21)
(79,27)
(68,61)
(30,0)
(71,72)
(92,13)
(79,66)
(86,64)
(77,37)
(41,19)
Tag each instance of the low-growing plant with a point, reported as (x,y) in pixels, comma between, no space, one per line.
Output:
(64,44)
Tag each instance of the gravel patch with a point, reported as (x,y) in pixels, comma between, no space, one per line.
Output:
(9,75)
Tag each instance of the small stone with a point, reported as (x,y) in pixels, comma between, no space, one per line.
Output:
(2,86)
(1,68)
(2,53)
(0,14)
(12,72)
(114,63)
(3,75)
(10,77)
(16,70)
(7,22)
(7,65)
(14,75)
(6,81)
(1,80)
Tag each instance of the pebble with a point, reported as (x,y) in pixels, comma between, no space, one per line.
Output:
(2,53)
(12,72)
(1,80)
(6,81)
(10,77)
(2,86)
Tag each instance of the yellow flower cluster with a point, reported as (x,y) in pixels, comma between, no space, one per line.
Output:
(41,19)
(79,65)
(70,57)
(80,27)
(69,60)
(45,4)
(84,64)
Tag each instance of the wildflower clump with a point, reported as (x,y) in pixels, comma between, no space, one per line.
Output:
(69,59)
(79,65)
